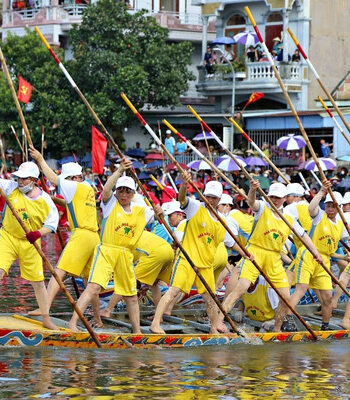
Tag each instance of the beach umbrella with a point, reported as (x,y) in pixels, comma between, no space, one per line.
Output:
(325,163)
(172,166)
(137,164)
(223,40)
(255,162)
(198,165)
(154,156)
(200,136)
(248,38)
(143,175)
(67,159)
(291,142)
(227,164)
(154,164)
(137,153)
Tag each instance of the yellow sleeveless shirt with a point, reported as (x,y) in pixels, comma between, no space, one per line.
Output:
(304,220)
(245,223)
(257,304)
(326,235)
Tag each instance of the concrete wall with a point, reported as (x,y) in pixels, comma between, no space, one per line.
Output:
(329,44)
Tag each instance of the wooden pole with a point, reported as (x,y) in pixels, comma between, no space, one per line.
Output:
(19,143)
(3,158)
(47,262)
(295,114)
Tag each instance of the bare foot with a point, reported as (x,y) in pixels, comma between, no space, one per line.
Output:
(105,313)
(138,332)
(214,331)
(35,312)
(222,328)
(345,324)
(157,330)
(49,325)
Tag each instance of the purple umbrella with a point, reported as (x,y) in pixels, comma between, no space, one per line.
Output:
(247,38)
(291,142)
(255,162)
(200,136)
(325,163)
(227,164)
(223,40)
(198,165)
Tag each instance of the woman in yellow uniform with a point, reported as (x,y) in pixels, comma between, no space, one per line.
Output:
(40,215)
(77,255)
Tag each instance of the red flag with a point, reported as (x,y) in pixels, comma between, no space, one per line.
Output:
(24,90)
(99,148)
(255,96)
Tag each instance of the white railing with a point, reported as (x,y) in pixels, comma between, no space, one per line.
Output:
(75,9)
(263,71)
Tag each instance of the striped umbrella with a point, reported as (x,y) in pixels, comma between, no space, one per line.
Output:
(247,38)
(200,136)
(291,142)
(255,162)
(325,163)
(227,164)
(198,165)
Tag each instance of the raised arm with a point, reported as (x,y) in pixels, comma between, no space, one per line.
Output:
(252,202)
(314,205)
(110,184)
(39,159)
(186,176)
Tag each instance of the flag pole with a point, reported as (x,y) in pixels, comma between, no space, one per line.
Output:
(218,217)
(19,143)
(267,199)
(296,116)
(3,158)
(208,150)
(306,58)
(202,157)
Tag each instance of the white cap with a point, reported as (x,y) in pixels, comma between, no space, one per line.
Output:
(226,199)
(126,181)
(278,190)
(346,198)
(295,189)
(338,198)
(71,169)
(173,206)
(27,170)
(213,188)
(168,132)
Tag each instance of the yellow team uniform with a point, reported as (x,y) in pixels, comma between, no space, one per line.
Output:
(325,235)
(120,233)
(13,243)
(77,255)
(201,239)
(154,257)
(245,224)
(257,303)
(268,236)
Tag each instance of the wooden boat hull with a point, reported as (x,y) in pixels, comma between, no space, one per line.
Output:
(14,332)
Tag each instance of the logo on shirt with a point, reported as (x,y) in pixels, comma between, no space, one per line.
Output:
(127,230)
(275,235)
(210,237)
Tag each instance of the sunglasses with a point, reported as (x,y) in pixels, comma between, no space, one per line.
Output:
(124,189)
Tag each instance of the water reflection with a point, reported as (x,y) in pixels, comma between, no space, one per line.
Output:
(280,371)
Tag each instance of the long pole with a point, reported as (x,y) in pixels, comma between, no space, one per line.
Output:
(47,262)
(118,151)
(223,222)
(306,58)
(29,140)
(295,114)
(19,143)
(3,158)
(267,199)
(201,156)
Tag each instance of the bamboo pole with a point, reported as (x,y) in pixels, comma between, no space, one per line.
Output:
(222,221)
(263,194)
(306,58)
(19,143)
(295,114)
(3,158)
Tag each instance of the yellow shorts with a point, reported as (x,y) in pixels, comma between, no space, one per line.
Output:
(30,262)
(77,256)
(184,277)
(220,260)
(153,265)
(116,261)
(309,271)
(270,262)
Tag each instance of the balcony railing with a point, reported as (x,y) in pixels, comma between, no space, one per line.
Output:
(263,71)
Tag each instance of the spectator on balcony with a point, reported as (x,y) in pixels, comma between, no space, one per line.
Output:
(169,142)
(325,148)
(201,147)
(181,147)
(296,56)
(277,45)
(252,54)
(259,51)
(228,55)
(208,62)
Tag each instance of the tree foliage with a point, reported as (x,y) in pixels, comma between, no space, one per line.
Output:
(114,52)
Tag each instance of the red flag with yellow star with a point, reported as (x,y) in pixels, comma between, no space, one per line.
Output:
(24,90)
(254,97)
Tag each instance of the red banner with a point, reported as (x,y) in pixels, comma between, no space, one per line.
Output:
(254,97)
(99,148)
(24,90)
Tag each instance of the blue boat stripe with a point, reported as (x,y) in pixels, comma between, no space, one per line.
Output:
(300,264)
(72,213)
(94,263)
